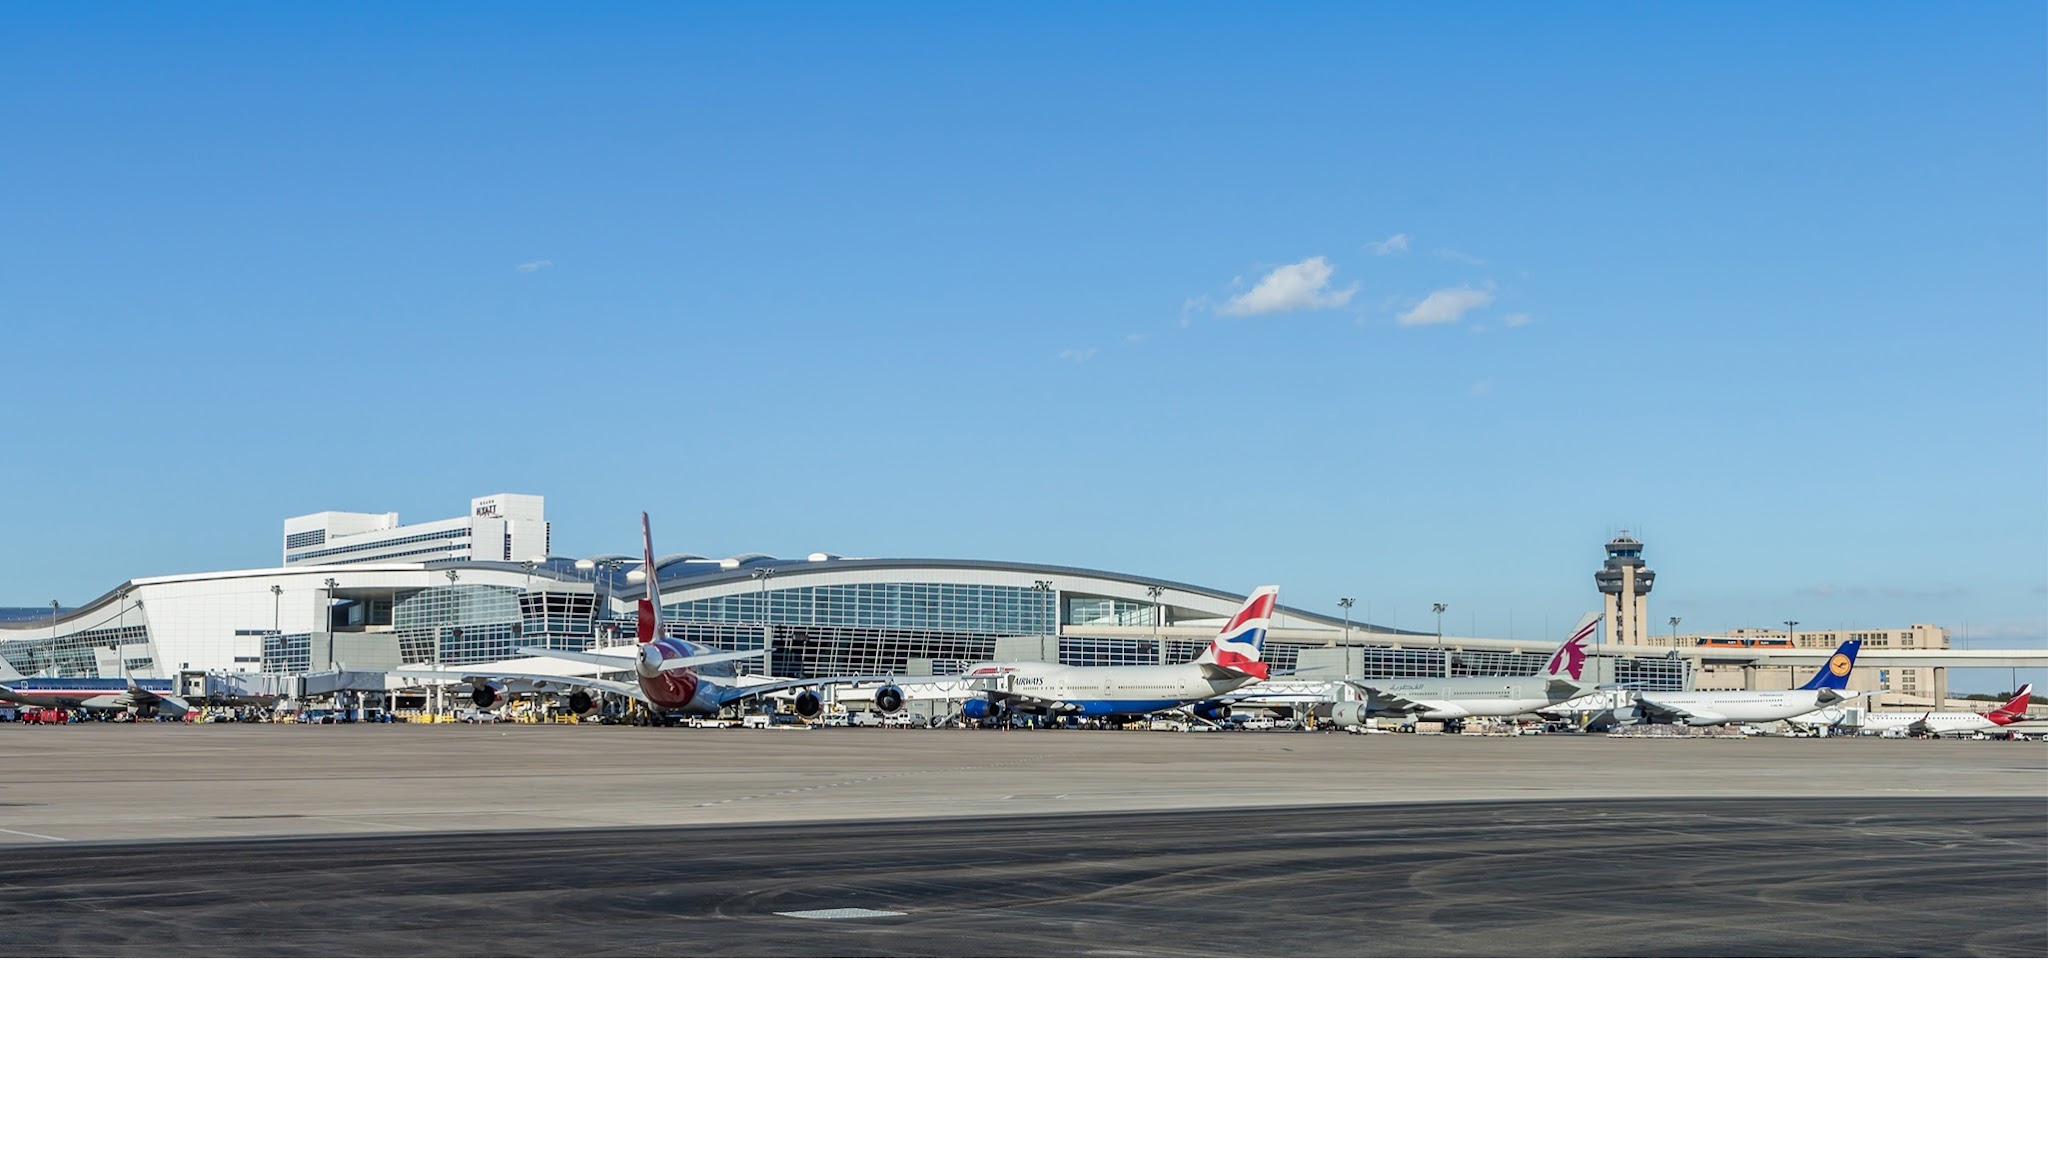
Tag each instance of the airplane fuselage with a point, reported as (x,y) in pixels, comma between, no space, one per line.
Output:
(1931,723)
(1467,697)
(1059,689)
(692,690)
(1707,708)
(91,694)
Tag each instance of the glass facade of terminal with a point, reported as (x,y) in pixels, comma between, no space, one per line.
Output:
(880,627)
(457,624)
(288,654)
(867,628)
(78,653)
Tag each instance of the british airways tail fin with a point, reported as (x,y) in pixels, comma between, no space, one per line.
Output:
(1568,662)
(1240,648)
(649,623)
(1835,675)
(2015,709)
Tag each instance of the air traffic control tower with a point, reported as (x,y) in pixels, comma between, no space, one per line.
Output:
(1625,584)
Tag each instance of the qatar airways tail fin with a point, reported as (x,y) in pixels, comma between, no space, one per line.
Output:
(1568,662)
(649,623)
(2015,709)
(1240,648)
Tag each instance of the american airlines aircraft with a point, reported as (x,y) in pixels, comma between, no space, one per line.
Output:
(1951,722)
(1471,696)
(1232,660)
(1708,708)
(136,698)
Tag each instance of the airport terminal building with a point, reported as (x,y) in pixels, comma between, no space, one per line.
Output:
(365,593)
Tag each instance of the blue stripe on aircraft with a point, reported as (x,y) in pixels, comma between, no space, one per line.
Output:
(1104,708)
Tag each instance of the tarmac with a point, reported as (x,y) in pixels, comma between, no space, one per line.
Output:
(102,782)
(155,840)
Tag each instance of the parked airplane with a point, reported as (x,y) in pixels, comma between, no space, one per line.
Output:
(1466,697)
(1233,659)
(1951,722)
(1708,708)
(670,675)
(140,699)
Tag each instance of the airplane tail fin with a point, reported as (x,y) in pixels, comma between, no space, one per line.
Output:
(1240,648)
(1568,662)
(2013,710)
(648,625)
(1835,675)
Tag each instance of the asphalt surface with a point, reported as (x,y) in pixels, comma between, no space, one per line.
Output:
(1775,876)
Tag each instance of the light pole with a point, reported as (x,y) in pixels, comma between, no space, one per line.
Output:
(1345,602)
(1791,672)
(332,583)
(53,638)
(767,634)
(1443,656)
(276,607)
(1155,591)
(1674,633)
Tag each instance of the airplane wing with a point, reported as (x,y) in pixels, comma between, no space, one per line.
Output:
(1384,700)
(1672,713)
(529,684)
(628,663)
(594,659)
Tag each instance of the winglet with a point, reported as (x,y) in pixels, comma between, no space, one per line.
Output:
(1568,662)
(648,623)
(1240,647)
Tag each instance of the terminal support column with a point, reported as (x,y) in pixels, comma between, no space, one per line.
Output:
(1940,685)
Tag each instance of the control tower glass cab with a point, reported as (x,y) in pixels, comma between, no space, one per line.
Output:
(1624,584)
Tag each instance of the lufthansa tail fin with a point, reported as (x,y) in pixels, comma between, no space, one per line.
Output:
(649,623)
(1240,648)
(1568,662)
(2015,709)
(1835,675)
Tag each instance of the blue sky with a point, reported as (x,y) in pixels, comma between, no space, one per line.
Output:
(1409,306)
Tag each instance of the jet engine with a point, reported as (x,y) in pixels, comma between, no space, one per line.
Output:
(1348,714)
(888,699)
(808,704)
(647,665)
(1212,710)
(978,709)
(580,702)
(486,693)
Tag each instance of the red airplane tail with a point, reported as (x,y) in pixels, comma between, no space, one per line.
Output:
(2015,709)
(648,623)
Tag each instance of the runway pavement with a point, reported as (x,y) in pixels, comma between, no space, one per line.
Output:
(230,840)
(1868,877)
(156,781)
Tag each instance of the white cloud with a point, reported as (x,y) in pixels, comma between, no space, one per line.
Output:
(1393,245)
(1445,306)
(536,265)
(1517,319)
(1189,307)
(1449,254)
(1135,338)
(1290,288)
(1079,355)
